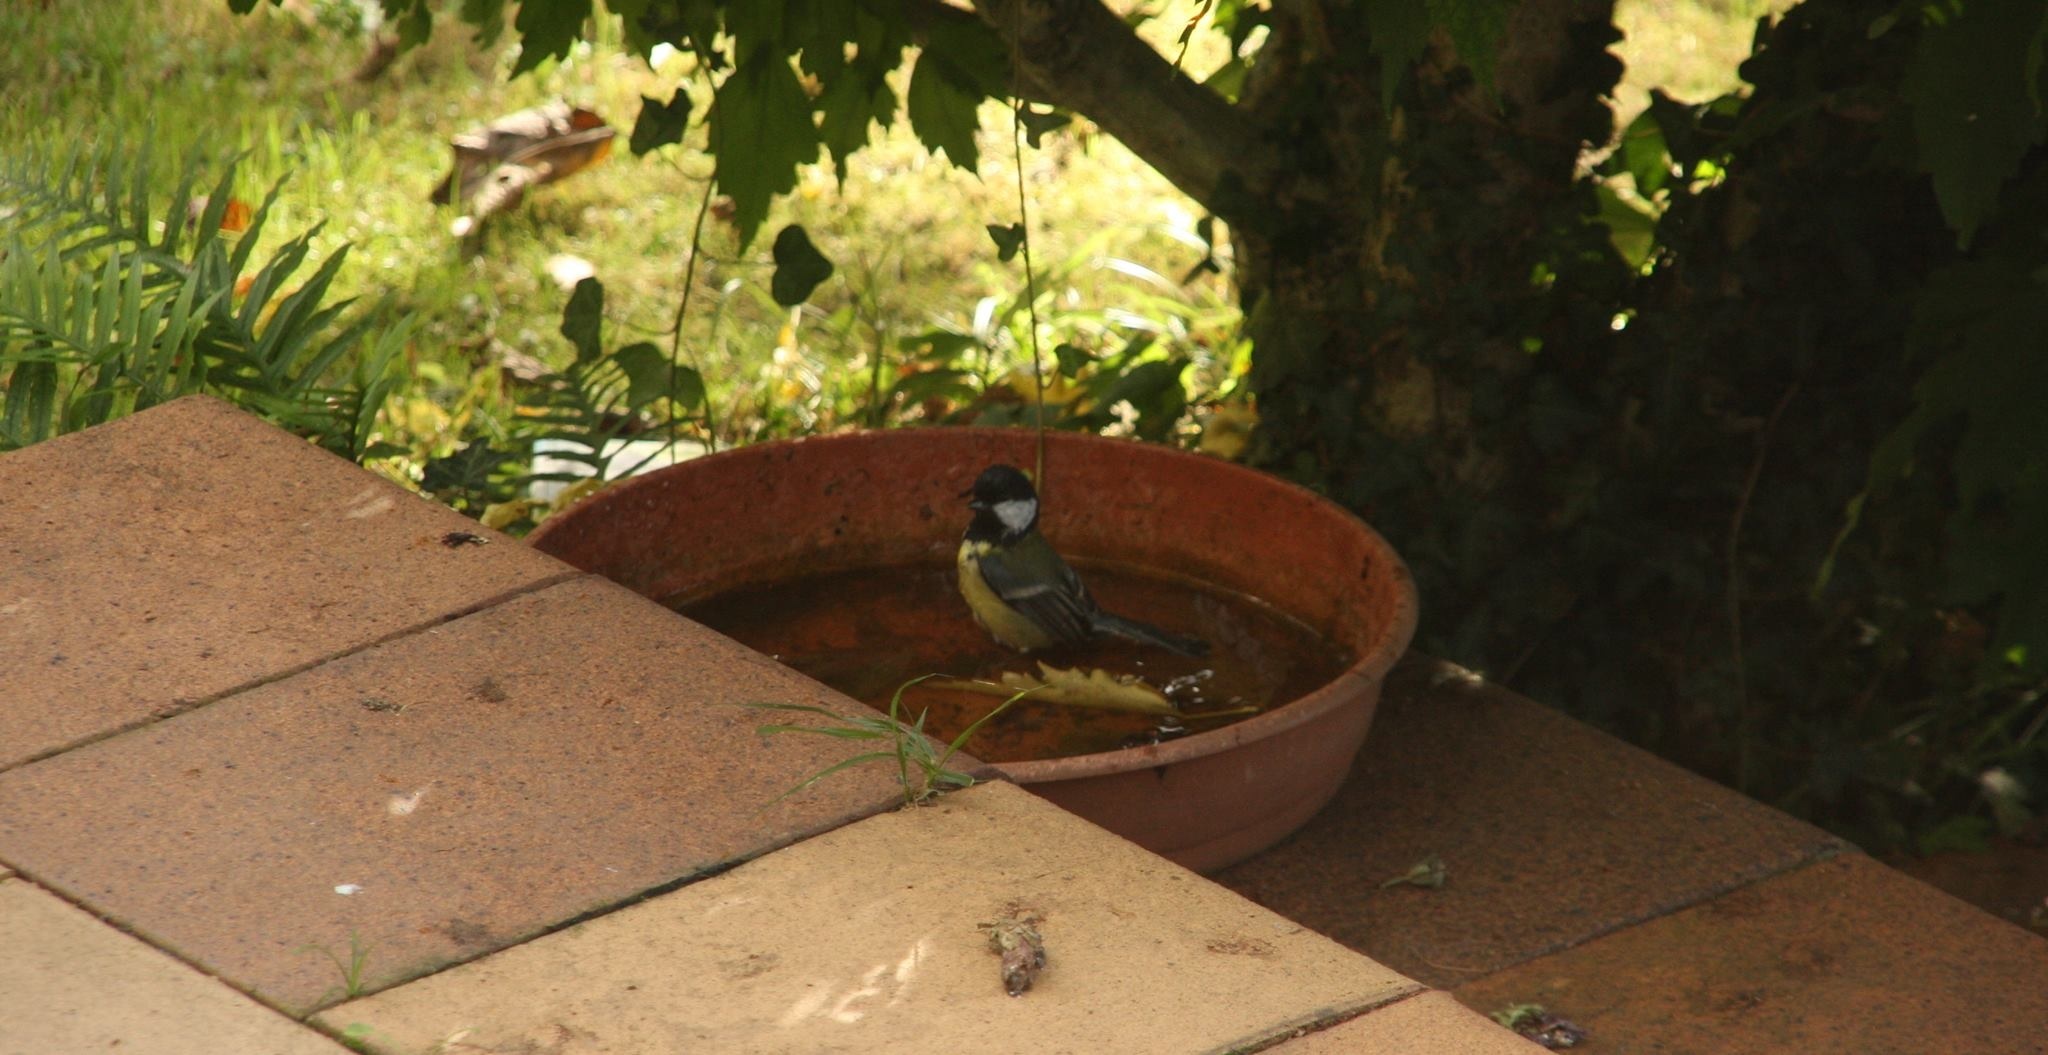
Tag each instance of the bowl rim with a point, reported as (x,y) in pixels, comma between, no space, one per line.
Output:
(1362,677)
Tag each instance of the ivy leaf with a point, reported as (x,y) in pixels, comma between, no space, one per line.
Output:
(1976,113)
(546,29)
(648,375)
(799,267)
(761,131)
(943,113)
(1008,240)
(660,123)
(583,318)
(1037,124)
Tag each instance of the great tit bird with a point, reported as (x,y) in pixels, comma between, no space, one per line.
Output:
(1018,587)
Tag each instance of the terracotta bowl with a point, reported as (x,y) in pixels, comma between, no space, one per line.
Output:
(837,503)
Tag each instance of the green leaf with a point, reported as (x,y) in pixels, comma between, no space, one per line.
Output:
(799,267)
(943,111)
(1475,28)
(938,346)
(1642,153)
(1037,124)
(660,123)
(1633,231)
(647,373)
(756,26)
(1153,389)
(838,732)
(584,318)
(1228,80)
(546,30)
(1008,239)
(946,382)
(31,401)
(1960,834)
(849,107)
(1398,30)
(472,473)
(487,16)
(1973,86)
(848,763)
(1072,359)
(415,25)
(761,131)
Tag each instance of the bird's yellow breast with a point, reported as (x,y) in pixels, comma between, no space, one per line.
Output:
(1001,621)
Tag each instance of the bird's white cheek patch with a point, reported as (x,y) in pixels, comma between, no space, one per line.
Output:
(1017,514)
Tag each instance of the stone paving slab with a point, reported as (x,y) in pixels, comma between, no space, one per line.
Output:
(69,983)
(1842,956)
(168,557)
(1431,1023)
(433,798)
(1551,833)
(867,939)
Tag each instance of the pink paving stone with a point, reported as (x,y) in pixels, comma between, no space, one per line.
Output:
(1842,956)
(1550,832)
(869,940)
(436,797)
(71,984)
(1431,1023)
(173,555)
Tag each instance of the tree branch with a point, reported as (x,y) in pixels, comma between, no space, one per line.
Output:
(1079,55)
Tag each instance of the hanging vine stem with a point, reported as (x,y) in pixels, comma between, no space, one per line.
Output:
(1024,222)
(675,353)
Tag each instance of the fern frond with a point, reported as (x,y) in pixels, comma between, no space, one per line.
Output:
(114,297)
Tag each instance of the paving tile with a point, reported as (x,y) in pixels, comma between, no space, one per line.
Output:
(867,939)
(175,554)
(1551,832)
(2008,879)
(1845,955)
(1431,1023)
(435,797)
(69,983)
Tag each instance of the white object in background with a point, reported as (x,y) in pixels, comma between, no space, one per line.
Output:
(639,456)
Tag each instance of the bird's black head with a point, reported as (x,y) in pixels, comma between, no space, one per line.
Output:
(1005,504)
(1001,483)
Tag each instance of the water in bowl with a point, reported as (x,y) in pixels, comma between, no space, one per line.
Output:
(866,632)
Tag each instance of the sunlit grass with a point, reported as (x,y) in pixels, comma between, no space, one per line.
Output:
(904,228)
(1689,48)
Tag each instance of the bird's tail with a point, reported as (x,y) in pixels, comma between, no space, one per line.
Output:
(1146,634)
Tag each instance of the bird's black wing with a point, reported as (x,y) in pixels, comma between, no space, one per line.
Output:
(1031,578)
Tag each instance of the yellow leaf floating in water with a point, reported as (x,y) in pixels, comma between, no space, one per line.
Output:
(1073,688)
